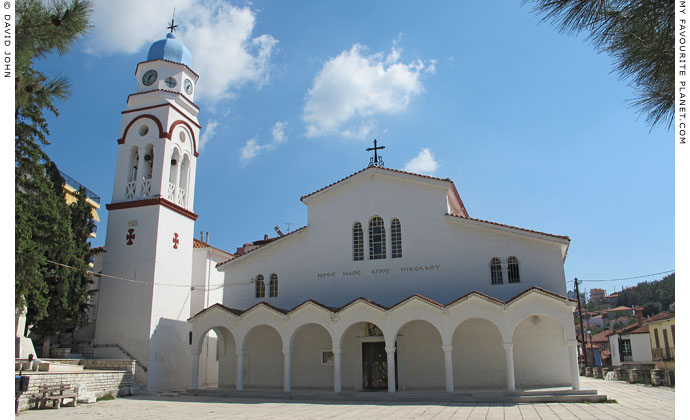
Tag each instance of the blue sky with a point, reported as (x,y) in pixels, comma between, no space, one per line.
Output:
(531,125)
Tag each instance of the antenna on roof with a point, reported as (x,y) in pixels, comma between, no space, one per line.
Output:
(288,226)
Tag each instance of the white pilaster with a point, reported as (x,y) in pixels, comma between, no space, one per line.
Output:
(448,359)
(240,368)
(195,372)
(337,380)
(390,353)
(286,370)
(574,368)
(510,368)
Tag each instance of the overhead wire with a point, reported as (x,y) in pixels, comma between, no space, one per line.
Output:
(624,278)
(203,288)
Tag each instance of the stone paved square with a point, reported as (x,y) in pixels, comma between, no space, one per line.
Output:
(634,402)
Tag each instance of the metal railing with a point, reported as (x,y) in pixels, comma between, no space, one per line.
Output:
(663,353)
(76,185)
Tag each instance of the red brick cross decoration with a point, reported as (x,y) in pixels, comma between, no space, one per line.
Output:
(176,241)
(130,236)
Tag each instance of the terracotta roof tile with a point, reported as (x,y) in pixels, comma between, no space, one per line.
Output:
(201,244)
(261,246)
(660,317)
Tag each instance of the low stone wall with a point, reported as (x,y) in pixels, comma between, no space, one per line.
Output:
(655,377)
(103,377)
(109,364)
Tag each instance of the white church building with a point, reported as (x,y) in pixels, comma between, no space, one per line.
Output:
(390,285)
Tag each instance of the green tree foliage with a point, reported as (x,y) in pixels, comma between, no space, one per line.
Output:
(638,34)
(653,296)
(45,227)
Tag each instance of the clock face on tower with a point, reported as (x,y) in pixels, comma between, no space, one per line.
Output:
(188,86)
(149,77)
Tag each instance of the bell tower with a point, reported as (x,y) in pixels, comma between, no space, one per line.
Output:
(144,293)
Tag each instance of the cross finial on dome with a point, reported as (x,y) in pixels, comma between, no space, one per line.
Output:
(172,26)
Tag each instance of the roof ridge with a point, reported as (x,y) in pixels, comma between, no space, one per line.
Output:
(376,167)
(508,226)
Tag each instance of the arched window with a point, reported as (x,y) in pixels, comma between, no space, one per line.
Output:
(396,239)
(174,176)
(184,181)
(496,272)
(513,270)
(377,239)
(260,286)
(131,188)
(357,242)
(273,285)
(148,171)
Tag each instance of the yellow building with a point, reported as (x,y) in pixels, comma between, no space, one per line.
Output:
(71,188)
(662,334)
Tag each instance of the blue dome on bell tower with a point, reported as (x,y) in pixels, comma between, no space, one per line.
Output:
(170,49)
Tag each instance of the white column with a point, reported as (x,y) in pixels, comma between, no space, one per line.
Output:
(448,358)
(178,170)
(574,368)
(337,380)
(286,370)
(240,369)
(141,171)
(195,372)
(510,368)
(390,352)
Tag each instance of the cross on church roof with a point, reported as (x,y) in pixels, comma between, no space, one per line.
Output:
(376,160)
(172,26)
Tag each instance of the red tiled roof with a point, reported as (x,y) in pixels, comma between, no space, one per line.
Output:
(201,244)
(239,312)
(636,328)
(602,337)
(660,317)
(455,191)
(620,308)
(261,246)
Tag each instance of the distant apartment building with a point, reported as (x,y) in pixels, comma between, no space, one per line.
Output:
(597,295)
(71,187)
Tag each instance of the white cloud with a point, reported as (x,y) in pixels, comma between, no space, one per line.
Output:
(354,85)
(424,163)
(218,35)
(208,133)
(252,148)
(278,132)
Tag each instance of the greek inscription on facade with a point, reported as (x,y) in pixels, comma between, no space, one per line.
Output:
(380,271)
(351,273)
(326,275)
(432,267)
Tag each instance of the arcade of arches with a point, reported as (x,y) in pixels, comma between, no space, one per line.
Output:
(475,342)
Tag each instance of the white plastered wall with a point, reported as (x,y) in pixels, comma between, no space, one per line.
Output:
(456,252)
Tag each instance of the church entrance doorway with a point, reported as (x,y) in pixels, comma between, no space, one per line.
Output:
(374,366)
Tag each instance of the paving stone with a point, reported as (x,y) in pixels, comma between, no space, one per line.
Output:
(634,401)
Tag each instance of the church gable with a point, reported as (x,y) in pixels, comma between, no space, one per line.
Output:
(364,179)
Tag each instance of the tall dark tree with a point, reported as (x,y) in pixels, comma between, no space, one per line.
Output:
(43,224)
(638,34)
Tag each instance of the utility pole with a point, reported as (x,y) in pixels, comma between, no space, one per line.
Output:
(582,329)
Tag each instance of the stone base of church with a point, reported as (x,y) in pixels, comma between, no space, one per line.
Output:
(474,342)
